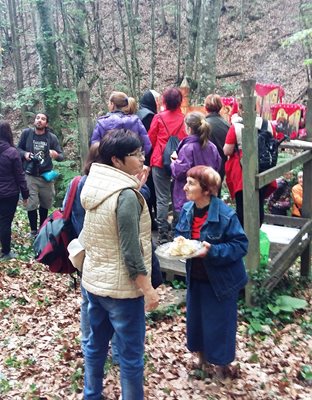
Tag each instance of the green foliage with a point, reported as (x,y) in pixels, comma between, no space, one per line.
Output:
(287,304)
(230,89)
(5,303)
(76,380)
(4,385)
(304,36)
(31,96)
(178,284)
(68,170)
(306,372)
(13,271)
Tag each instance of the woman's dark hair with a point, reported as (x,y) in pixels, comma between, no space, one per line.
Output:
(93,156)
(172,98)
(208,178)
(6,132)
(213,103)
(118,143)
(199,126)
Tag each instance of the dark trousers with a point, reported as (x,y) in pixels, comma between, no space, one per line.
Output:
(7,210)
(240,207)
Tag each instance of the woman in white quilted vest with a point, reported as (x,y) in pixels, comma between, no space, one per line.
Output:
(117,266)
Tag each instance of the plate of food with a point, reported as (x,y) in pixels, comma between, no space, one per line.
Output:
(180,248)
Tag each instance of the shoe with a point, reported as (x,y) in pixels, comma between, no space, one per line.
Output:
(32,234)
(8,256)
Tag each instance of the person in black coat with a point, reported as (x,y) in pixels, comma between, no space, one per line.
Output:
(149,104)
(12,183)
(219,126)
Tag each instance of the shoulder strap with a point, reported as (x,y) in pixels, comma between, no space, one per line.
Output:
(29,140)
(71,197)
(168,129)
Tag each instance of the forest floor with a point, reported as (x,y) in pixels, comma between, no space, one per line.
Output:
(40,355)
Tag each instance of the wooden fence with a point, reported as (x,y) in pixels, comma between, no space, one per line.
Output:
(253,181)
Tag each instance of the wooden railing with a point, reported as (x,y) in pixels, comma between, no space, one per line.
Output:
(253,181)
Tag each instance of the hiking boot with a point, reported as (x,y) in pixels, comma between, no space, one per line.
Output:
(32,234)
(8,256)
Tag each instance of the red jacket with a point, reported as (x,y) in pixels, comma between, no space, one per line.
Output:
(159,136)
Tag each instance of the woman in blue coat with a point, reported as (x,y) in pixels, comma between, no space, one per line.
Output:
(215,278)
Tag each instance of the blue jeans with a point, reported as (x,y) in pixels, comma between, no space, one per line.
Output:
(126,317)
(84,320)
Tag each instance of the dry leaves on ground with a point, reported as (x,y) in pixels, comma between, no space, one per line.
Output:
(40,355)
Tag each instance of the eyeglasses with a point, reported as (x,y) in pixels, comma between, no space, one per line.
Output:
(138,154)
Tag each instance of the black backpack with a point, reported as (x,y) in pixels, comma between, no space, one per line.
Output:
(267,148)
(171,146)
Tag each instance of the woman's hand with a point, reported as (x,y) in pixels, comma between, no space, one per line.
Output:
(174,156)
(205,250)
(143,175)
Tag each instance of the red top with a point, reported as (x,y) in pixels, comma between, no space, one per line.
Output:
(233,168)
(159,136)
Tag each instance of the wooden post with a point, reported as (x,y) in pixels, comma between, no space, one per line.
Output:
(185,89)
(85,124)
(307,190)
(250,169)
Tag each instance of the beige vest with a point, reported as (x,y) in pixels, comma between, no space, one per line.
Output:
(104,270)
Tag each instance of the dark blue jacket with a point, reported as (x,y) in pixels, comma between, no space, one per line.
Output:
(224,261)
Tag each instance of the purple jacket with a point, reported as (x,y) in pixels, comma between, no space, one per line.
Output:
(190,154)
(117,120)
(12,176)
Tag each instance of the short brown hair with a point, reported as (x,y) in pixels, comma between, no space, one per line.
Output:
(208,178)
(213,103)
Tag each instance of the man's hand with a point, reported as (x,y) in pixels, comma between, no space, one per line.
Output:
(27,155)
(53,154)
(151,297)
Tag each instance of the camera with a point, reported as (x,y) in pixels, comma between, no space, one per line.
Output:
(32,167)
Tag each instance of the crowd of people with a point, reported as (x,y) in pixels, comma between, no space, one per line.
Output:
(125,194)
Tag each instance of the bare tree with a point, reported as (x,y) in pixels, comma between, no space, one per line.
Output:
(193,10)
(209,28)
(48,61)
(153,45)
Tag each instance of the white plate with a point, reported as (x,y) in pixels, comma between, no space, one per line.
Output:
(163,251)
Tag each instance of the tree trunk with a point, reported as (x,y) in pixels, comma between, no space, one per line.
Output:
(163,19)
(25,44)
(135,66)
(178,19)
(16,46)
(153,45)
(85,124)
(209,29)
(243,8)
(193,9)
(48,61)
(124,47)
